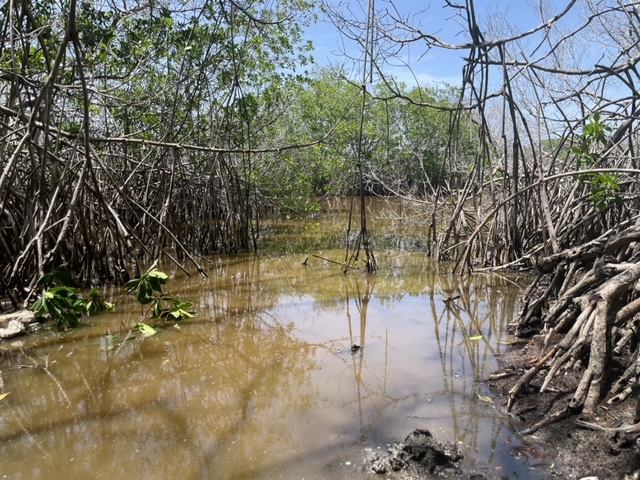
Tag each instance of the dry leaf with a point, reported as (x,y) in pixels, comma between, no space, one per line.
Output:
(485,399)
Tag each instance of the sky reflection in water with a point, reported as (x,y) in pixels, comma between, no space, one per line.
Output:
(263,384)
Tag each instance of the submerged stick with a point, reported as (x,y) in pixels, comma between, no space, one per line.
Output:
(344,265)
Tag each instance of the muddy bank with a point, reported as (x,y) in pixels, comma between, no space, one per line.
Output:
(581,451)
(418,456)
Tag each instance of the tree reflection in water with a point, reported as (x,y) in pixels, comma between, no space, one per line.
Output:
(263,383)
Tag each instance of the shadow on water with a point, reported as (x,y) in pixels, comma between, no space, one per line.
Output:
(289,371)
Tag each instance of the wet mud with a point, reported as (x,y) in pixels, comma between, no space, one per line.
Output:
(580,451)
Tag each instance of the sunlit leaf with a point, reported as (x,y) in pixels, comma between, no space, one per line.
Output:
(485,399)
(476,338)
(158,274)
(4,395)
(145,329)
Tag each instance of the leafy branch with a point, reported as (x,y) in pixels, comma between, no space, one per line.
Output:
(605,187)
(148,291)
(61,302)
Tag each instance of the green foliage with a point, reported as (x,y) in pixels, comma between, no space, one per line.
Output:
(605,187)
(95,303)
(425,148)
(177,309)
(594,134)
(61,304)
(596,130)
(147,287)
(144,329)
(406,141)
(148,291)
(59,301)
(59,276)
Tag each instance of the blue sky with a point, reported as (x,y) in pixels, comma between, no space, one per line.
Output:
(435,65)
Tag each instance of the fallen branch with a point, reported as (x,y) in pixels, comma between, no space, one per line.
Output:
(633,428)
(343,265)
(556,417)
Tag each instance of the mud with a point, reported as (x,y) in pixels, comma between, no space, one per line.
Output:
(580,452)
(418,456)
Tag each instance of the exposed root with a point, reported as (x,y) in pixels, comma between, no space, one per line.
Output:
(556,417)
(593,320)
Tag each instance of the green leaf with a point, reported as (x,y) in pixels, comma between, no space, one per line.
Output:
(156,284)
(45,306)
(158,274)
(131,285)
(38,306)
(145,329)
(55,311)
(66,292)
(476,338)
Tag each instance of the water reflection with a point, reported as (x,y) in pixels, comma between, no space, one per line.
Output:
(265,382)
(178,404)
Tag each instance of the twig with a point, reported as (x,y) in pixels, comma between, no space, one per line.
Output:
(343,265)
(633,428)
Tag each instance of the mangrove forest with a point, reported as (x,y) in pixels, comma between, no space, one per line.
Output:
(155,130)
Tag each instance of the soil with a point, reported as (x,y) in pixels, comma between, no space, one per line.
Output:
(418,456)
(579,451)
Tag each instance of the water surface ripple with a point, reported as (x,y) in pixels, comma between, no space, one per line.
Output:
(265,383)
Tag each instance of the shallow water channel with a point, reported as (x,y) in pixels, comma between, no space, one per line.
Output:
(263,383)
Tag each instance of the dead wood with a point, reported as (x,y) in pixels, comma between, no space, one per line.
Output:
(553,418)
(90,190)
(565,206)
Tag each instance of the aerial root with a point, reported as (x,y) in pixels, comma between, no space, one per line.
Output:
(588,338)
(551,419)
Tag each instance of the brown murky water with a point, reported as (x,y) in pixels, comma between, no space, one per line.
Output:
(263,383)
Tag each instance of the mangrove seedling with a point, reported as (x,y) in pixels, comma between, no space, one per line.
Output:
(61,302)
(148,291)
